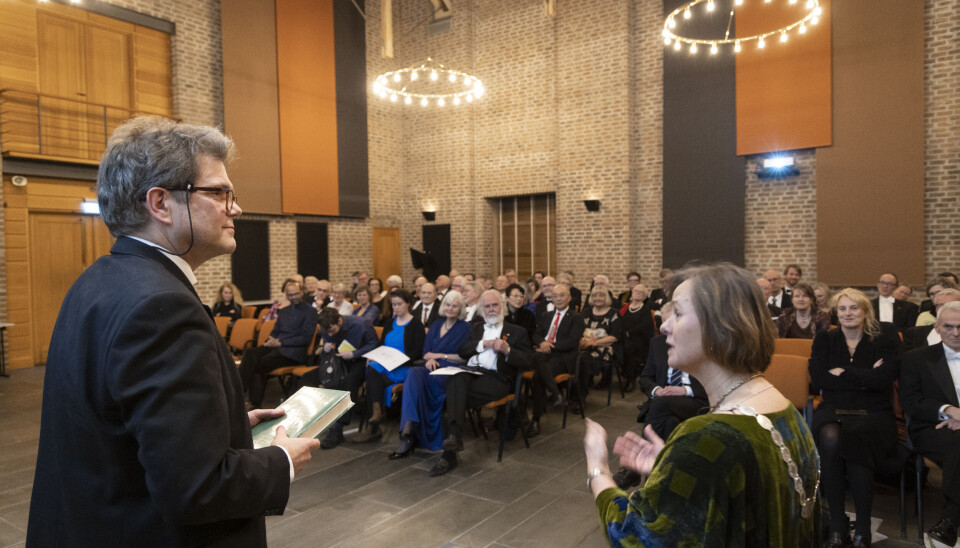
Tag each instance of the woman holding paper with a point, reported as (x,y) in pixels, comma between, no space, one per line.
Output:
(404,333)
(421,418)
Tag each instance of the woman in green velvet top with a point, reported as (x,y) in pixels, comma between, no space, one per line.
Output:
(746,474)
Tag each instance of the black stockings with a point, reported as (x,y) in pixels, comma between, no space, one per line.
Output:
(832,481)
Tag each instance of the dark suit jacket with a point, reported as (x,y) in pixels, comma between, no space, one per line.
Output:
(542,309)
(295,327)
(925,386)
(916,337)
(432,317)
(786,302)
(655,371)
(144,437)
(656,298)
(568,332)
(521,353)
(904,313)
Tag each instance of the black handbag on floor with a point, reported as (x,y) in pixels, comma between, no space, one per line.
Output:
(331,372)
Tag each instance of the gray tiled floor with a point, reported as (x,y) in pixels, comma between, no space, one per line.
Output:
(354,496)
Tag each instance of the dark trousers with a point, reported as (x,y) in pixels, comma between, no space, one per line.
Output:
(546,367)
(667,412)
(465,391)
(256,364)
(943,447)
(355,376)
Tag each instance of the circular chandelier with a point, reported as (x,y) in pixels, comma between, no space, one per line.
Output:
(812,15)
(428,83)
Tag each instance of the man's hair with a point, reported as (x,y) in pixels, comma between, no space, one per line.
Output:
(477,288)
(793,266)
(952,306)
(328,317)
(148,152)
(942,293)
(737,333)
(956,280)
(288,281)
(499,297)
(637,274)
(393,278)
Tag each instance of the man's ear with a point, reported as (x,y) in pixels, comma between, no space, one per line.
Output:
(158,203)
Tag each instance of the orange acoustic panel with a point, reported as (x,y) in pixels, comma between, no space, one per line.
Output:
(307,96)
(783,89)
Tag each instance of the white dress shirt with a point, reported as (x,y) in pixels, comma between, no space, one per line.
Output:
(953,362)
(486,357)
(886,309)
(471,310)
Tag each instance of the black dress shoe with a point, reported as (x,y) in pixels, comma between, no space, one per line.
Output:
(452,443)
(838,541)
(626,478)
(861,541)
(533,429)
(405,449)
(333,438)
(945,531)
(629,387)
(442,467)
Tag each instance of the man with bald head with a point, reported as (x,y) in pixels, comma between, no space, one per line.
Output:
(456,284)
(767,291)
(443,285)
(546,291)
(886,308)
(778,297)
(427,308)
(556,343)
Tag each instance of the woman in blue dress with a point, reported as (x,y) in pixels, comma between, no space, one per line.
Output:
(404,333)
(421,418)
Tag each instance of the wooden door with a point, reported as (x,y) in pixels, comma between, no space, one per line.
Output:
(56,260)
(108,77)
(386,252)
(63,124)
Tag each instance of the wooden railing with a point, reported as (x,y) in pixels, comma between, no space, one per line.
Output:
(46,126)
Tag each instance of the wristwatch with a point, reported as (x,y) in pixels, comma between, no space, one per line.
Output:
(596,472)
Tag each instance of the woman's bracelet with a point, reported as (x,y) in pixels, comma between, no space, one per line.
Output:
(597,472)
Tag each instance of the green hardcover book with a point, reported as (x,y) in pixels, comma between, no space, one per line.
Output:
(309,413)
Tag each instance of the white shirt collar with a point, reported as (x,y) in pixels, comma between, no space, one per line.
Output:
(181,264)
(889,299)
(950,354)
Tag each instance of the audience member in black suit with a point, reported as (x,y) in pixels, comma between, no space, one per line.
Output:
(638,328)
(471,300)
(778,297)
(766,290)
(928,393)
(498,349)
(854,427)
(229,302)
(427,309)
(556,344)
(791,277)
(633,278)
(286,345)
(565,277)
(659,295)
(887,309)
(546,302)
(517,312)
(934,287)
(922,336)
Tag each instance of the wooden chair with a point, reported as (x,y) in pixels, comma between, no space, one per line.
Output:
(263,312)
(223,324)
(379,331)
(569,382)
(284,375)
(791,376)
(793,347)
(248,312)
(243,335)
(509,403)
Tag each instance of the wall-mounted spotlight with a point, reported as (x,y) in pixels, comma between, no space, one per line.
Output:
(429,215)
(592,205)
(777,167)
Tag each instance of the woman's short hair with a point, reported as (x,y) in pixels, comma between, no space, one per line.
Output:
(602,290)
(737,333)
(871,326)
(402,294)
(148,152)
(339,287)
(808,291)
(825,288)
(237,298)
(519,288)
(379,282)
(362,289)
(395,279)
(456,298)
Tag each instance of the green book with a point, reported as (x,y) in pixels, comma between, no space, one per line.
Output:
(309,412)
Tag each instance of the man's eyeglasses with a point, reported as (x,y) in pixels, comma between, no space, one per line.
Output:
(229,197)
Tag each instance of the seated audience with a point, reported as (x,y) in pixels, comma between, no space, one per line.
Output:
(601,331)
(335,330)
(286,345)
(309,288)
(929,379)
(322,295)
(556,344)
(791,277)
(394,282)
(538,276)
(377,293)
(511,275)
(365,308)
(497,350)
(421,416)
(517,312)
(471,296)
(658,295)
(633,278)
(417,284)
(636,323)
(565,277)
(778,297)
(744,475)
(442,285)
(922,336)
(804,320)
(927,316)
(405,333)
(600,280)
(546,301)
(456,284)
(339,301)
(854,368)
(427,309)
(766,289)
(823,296)
(501,284)
(886,309)
(469,277)
(229,302)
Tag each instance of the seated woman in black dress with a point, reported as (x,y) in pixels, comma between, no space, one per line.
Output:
(804,319)
(601,331)
(854,368)
(636,323)
(517,312)
(229,302)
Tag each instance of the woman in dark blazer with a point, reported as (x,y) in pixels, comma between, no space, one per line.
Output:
(229,302)
(855,430)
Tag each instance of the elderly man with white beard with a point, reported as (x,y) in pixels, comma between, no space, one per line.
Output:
(495,349)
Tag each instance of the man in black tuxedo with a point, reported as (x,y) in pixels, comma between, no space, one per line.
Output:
(497,350)
(886,308)
(427,309)
(659,295)
(546,303)
(929,378)
(767,289)
(922,336)
(556,344)
(778,297)
(144,437)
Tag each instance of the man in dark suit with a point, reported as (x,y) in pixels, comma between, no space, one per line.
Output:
(767,290)
(922,336)
(886,308)
(778,297)
(659,295)
(546,303)
(427,309)
(929,380)
(144,436)
(556,343)
(497,350)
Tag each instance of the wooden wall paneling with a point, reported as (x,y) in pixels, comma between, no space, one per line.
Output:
(18,337)
(386,253)
(18,71)
(62,74)
(152,72)
(107,50)
(524,239)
